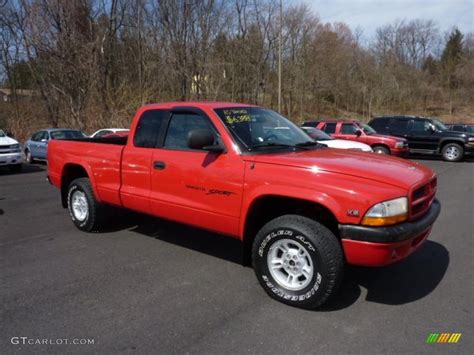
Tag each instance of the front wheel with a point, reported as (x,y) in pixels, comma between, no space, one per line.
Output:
(452,152)
(381,150)
(297,261)
(28,157)
(85,211)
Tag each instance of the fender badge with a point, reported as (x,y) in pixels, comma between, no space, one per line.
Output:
(353,213)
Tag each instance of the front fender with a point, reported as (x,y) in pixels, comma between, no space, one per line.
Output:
(347,197)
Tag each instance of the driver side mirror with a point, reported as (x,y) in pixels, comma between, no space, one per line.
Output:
(204,139)
(358,133)
(44,140)
(431,128)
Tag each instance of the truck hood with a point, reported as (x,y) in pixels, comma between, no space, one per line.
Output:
(386,136)
(343,144)
(455,134)
(370,166)
(7,141)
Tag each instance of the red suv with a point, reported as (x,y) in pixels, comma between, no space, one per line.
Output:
(361,132)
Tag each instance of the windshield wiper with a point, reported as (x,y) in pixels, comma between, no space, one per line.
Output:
(270,144)
(303,146)
(307,144)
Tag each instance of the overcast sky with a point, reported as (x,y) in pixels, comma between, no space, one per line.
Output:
(370,14)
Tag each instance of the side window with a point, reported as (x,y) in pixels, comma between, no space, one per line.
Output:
(348,128)
(179,127)
(421,126)
(399,126)
(148,128)
(330,128)
(44,135)
(457,128)
(470,129)
(36,137)
(380,124)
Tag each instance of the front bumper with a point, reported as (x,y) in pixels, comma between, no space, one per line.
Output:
(10,159)
(469,149)
(379,246)
(400,152)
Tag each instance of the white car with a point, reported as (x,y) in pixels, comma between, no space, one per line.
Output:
(107,131)
(324,138)
(10,152)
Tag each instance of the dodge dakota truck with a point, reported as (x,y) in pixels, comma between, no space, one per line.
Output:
(301,210)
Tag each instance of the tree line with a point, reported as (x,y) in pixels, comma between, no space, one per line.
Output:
(91,63)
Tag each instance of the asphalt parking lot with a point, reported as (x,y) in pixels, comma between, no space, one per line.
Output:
(148,285)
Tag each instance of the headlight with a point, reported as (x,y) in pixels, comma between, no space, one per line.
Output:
(400,145)
(470,140)
(15,147)
(387,213)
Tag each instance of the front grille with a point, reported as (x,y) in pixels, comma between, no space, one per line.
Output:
(6,149)
(421,199)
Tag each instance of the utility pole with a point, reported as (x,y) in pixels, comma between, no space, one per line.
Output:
(279,55)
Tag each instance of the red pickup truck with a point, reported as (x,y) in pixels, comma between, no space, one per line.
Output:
(300,209)
(361,132)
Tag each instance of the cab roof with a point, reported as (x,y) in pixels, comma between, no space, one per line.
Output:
(197,104)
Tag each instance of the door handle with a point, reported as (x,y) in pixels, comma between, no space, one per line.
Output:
(159,165)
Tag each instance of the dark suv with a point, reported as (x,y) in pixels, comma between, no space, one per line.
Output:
(426,136)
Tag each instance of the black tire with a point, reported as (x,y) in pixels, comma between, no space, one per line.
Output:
(380,149)
(95,217)
(452,152)
(28,158)
(16,168)
(321,246)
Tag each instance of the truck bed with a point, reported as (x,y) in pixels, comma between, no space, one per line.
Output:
(100,157)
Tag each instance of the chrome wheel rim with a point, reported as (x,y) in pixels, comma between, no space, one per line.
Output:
(80,207)
(452,153)
(290,264)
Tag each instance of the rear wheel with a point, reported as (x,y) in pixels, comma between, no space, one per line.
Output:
(85,211)
(297,261)
(452,152)
(380,149)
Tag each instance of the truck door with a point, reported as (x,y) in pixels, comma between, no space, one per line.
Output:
(196,186)
(348,131)
(137,160)
(423,135)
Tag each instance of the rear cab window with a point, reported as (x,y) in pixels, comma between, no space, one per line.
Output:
(150,128)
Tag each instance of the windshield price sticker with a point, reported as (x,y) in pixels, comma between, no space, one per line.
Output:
(237,116)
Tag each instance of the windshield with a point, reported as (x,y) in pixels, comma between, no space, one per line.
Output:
(66,134)
(317,134)
(439,126)
(367,129)
(2,134)
(259,127)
